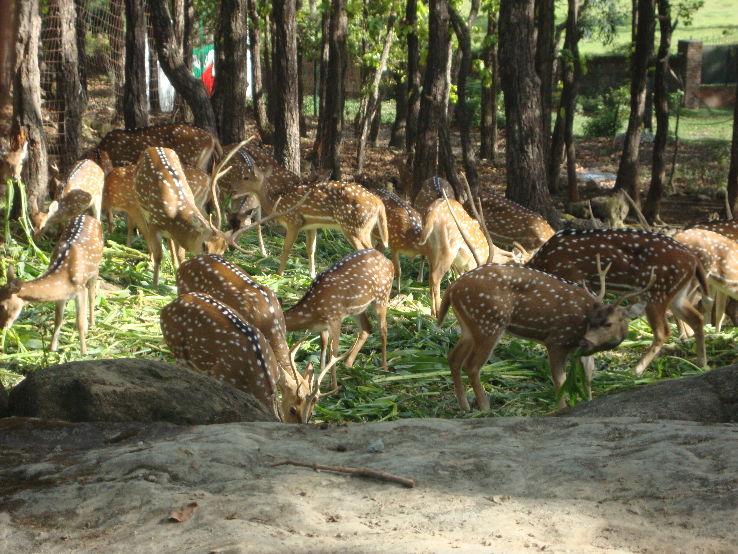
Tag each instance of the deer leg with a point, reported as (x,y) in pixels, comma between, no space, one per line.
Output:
(289,239)
(398,270)
(656,315)
(684,310)
(80,301)
(382,317)
(588,364)
(259,234)
(366,328)
(557,362)
(420,273)
(438,268)
(456,360)
(334,331)
(91,294)
(481,349)
(721,299)
(156,253)
(311,237)
(58,320)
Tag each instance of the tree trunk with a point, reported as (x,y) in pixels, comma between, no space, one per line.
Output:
(116,37)
(435,93)
(733,172)
(182,29)
(231,77)
(397,135)
(257,78)
(490,89)
(68,86)
(27,100)
(371,104)
(81,28)
(8,36)
(330,129)
(628,172)
(172,62)
(413,77)
(287,120)
(458,59)
(135,104)
(526,172)
(154,104)
(661,104)
(463,35)
(544,65)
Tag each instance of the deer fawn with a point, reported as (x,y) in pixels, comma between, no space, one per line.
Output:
(633,255)
(719,256)
(193,145)
(493,299)
(257,304)
(82,190)
(168,207)
(431,190)
(509,222)
(348,288)
(72,273)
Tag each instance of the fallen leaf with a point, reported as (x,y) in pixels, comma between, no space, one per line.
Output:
(179,516)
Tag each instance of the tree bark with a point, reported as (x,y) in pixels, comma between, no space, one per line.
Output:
(330,130)
(154,103)
(172,62)
(397,135)
(526,172)
(286,120)
(8,36)
(435,94)
(68,86)
(231,77)
(413,77)
(661,105)
(116,37)
(628,177)
(490,92)
(27,100)
(544,65)
(257,78)
(81,29)
(733,172)
(135,103)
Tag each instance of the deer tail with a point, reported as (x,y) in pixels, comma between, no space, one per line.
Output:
(445,304)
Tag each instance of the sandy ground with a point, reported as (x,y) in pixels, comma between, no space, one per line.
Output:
(487,485)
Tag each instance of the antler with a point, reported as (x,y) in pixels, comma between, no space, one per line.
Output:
(638,292)
(478,214)
(315,394)
(461,231)
(293,353)
(600,296)
(218,172)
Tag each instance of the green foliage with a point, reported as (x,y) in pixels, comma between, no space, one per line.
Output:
(609,112)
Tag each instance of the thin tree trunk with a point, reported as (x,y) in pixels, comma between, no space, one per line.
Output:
(231,77)
(413,78)
(544,65)
(135,104)
(68,85)
(257,78)
(526,172)
(154,104)
(172,62)
(397,135)
(628,177)
(661,104)
(116,37)
(733,172)
(81,27)
(490,86)
(287,120)
(372,101)
(8,37)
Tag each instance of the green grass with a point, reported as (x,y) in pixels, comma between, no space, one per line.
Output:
(516,377)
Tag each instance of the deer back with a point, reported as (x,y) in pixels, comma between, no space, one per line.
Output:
(726,227)
(510,222)
(431,190)
(248,171)
(717,253)
(346,288)
(404,224)
(634,255)
(205,334)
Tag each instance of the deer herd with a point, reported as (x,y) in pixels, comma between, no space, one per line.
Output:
(226,324)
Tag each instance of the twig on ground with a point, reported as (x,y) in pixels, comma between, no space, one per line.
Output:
(363,471)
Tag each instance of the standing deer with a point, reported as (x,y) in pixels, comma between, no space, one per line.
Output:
(348,288)
(194,146)
(72,273)
(256,304)
(719,256)
(169,208)
(82,191)
(493,299)
(634,255)
(509,222)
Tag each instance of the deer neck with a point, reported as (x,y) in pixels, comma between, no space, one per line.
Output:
(301,317)
(47,288)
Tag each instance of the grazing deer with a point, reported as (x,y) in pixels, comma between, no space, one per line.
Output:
(194,146)
(82,191)
(509,222)
(205,334)
(494,298)
(634,255)
(431,190)
(719,256)
(72,273)
(169,208)
(257,304)
(348,288)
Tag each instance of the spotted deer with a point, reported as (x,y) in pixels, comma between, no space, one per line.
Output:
(72,273)
(83,190)
(634,255)
(493,299)
(431,190)
(348,288)
(256,304)
(719,256)
(169,208)
(205,334)
(194,146)
(509,222)
(13,157)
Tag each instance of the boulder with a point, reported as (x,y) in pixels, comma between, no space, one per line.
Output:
(708,398)
(125,390)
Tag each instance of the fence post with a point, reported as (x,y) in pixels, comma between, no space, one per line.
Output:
(691,52)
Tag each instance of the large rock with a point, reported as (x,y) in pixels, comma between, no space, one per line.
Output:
(124,390)
(708,398)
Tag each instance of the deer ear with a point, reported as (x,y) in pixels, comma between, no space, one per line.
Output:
(635,310)
(309,370)
(53,208)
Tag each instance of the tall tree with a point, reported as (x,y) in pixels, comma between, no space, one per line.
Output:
(231,71)
(172,62)
(257,78)
(397,135)
(8,35)
(733,172)
(284,61)
(413,76)
(135,103)
(661,104)
(526,172)
(330,128)
(432,115)
(545,54)
(490,88)
(628,177)
(116,38)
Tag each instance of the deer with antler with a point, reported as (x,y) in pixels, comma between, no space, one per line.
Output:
(205,334)
(348,288)
(509,223)
(493,299)
(72,273)
(634,256)
(83,190)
